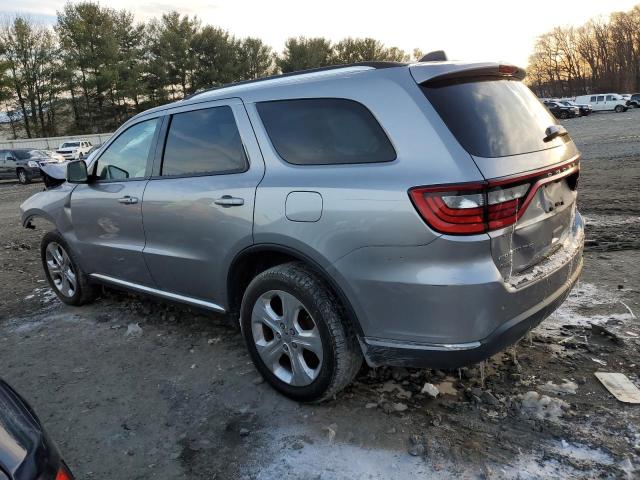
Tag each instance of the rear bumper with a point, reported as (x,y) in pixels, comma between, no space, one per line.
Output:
(379,352)
(446,304)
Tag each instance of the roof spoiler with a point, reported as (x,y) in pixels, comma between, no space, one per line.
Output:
(424,74)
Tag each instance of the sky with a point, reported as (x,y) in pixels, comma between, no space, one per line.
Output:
(481,30)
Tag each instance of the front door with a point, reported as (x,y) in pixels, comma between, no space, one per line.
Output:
(4,169)
(198,207)
(107,212)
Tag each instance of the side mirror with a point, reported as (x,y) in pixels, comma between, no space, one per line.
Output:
(77,172)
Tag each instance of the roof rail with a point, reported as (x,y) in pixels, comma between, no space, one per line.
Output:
(376,65)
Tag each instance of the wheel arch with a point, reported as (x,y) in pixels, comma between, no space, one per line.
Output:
(260,257)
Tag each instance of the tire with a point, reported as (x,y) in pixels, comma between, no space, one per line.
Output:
(304,375)
(620,109)
(23,176)
(76,292)
(563,115)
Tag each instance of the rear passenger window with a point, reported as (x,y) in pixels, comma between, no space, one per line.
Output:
(204,142)
(601,98)
(593,99)
(325,131)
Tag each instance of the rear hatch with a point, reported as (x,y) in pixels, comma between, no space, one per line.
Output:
(527,203)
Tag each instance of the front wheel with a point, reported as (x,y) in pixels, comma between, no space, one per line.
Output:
(297,334)
(63,273)
(564,115)
(23,176)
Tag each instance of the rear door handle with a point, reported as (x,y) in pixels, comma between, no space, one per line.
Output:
(128,200)
(229,201)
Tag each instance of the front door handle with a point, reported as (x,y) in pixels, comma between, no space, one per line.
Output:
(128,200)
(229,201)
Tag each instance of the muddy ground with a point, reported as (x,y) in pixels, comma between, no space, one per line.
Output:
(179,399)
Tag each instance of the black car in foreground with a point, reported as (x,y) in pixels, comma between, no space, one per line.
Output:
(26,451)
(562,111)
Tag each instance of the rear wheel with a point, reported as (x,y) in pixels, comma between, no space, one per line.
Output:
(619,109)
(63,273)
(23,176)
(297,335)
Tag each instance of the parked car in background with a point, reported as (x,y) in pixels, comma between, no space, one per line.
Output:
(90,151)
(634,100)
(604,101)
(53,154)
(339,215)
(585,108)
(23,164)
(74,150)
(26,451)
(562,111)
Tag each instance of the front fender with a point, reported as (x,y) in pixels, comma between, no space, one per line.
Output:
(52,205)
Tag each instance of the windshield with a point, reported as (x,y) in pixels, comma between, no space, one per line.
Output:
(492,117)
(23,154)
(37,154)
(70,144)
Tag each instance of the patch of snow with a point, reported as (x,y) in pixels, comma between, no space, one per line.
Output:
(324,460)
(566,388)
(586,296)
(542,407)
(610,220)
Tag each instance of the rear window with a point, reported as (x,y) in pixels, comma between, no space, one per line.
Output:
(70,145)
(492,117)
(325,131)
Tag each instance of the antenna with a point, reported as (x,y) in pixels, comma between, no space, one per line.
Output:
(435,56)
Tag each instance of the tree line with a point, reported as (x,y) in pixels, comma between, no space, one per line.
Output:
(603,55)
(98,66)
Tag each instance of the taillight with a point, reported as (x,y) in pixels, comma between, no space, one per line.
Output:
(473,208)
(64,474)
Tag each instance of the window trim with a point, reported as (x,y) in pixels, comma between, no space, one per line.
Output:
(162,145)
(308,165)
(150,156)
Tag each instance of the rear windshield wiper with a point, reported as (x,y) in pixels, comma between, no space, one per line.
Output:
(554,131)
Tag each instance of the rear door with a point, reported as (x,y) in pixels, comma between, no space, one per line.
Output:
(198,206)
(107,213)
(504,129)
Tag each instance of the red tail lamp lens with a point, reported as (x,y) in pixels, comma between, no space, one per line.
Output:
(472,208)
(64,474)
(469,209)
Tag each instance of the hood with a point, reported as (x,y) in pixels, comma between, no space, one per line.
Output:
(54,174)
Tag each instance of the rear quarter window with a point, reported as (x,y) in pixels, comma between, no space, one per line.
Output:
(325,131)
(492,116)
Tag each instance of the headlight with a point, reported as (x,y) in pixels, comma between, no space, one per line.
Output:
(33,164)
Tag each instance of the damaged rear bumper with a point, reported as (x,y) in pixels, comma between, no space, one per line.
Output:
(380,352)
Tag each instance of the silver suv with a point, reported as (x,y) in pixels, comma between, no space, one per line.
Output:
(413,215)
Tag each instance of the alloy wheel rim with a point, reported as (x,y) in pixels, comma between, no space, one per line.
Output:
(287,338)
(61,270)
(22,176)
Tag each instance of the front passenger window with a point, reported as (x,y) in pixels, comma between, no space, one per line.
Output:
(126,158)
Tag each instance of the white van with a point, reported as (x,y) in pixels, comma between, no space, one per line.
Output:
(604,101)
